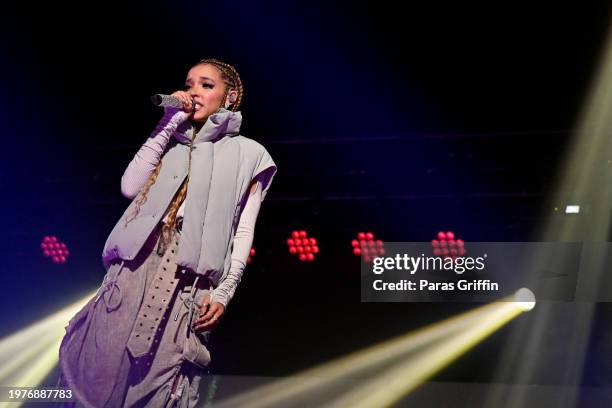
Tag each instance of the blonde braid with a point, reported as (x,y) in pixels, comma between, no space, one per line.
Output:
(170,224)
(142,196)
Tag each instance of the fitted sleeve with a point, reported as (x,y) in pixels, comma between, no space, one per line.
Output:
(243,240)
(150,153)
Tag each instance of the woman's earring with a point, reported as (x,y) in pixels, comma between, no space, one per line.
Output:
(229,101)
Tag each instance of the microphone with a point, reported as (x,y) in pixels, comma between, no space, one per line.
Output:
(166,101)
(170,101)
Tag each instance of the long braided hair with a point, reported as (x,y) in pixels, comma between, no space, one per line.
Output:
(232,81)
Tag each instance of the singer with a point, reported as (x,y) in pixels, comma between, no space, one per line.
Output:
(176,256)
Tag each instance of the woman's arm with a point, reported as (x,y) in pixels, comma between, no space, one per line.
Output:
(243,239)
(149,155)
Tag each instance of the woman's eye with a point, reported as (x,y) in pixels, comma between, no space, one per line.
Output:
(186,87)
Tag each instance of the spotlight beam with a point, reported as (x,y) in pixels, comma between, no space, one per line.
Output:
(393,384)
(314,379)
(31,353)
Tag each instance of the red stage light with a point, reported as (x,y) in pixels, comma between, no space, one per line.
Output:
(447,246)
(251,255)
(303,246)
(366,246)
(52,248)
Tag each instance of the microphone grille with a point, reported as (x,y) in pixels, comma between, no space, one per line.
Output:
(166,100)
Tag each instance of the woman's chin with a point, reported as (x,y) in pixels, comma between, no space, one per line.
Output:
(199,117)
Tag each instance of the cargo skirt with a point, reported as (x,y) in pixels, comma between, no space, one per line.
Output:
(132,344)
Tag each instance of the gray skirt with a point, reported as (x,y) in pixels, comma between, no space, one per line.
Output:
(132,344)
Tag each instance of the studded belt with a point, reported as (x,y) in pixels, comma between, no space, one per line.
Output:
(155,304)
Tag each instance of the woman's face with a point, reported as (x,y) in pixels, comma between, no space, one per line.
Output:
(205,85)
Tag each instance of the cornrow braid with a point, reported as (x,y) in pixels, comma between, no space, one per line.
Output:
(231,78)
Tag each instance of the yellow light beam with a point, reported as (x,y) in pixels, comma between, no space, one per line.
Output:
(23,351)
(397,382)
(36,372)
(310,379)
(14,342)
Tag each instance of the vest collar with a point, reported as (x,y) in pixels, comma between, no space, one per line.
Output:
(221,123)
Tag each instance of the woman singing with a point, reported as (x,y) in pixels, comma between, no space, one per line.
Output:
(176,255)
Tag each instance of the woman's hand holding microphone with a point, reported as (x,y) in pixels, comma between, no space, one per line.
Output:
(188,102)
(177,118)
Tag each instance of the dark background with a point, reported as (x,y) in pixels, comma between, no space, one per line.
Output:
(401,121)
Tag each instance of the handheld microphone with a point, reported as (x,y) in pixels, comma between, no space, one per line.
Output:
(166,101)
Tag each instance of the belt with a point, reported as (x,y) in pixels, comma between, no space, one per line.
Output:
(155,303)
